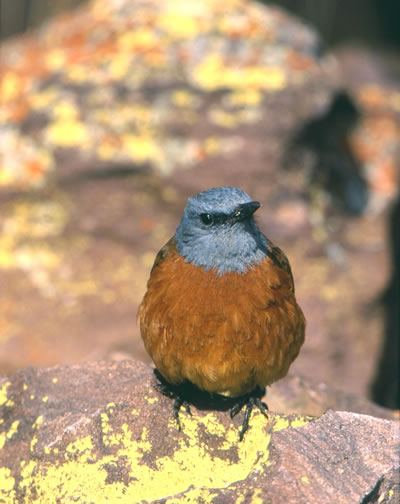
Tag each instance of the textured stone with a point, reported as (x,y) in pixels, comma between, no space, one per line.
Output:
(100,432)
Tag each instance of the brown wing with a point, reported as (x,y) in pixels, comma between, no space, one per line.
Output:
(279,258)
(163,253)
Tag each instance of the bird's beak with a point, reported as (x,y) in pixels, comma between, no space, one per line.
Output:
(245,210)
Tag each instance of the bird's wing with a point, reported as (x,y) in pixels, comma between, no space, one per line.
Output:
(279,258)
(164,253)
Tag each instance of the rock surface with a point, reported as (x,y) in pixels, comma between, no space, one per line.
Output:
(99,103)
(86,134)
(100,432)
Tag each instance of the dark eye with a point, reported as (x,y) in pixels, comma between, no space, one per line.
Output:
(206,218)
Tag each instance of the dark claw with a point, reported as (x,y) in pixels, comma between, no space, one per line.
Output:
(177,406)
(165,390)
(238,406)
(172,393)
(249,401)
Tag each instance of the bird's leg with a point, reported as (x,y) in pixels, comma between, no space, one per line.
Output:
(250,400)
(173,392)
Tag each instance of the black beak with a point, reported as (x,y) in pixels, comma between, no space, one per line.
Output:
(245,210)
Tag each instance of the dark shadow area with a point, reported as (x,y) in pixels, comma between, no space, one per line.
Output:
(369,22)
(388,18)
(17,16)
(186,394)
(79,178)
(335,168)
(385,388)
(102,174)
(200,399)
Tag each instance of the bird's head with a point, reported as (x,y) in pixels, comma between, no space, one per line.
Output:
(218,231)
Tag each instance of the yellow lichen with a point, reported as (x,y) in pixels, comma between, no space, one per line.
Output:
(65,110)
(55,59)
(177,23)
(120,65)
(83,473)
(105,426)
(13,429)
(183,98)
(245,97)
(38,422)
(140,39)
(78,73)
(33,443)
(212,145)
(81,448)
(3,394)
(280,423)
(224,119)
(213,73)
(44,99)
(193,495)
(142,148)
(68,132)
(240,499)
(10,86)
(7,482)
(300,421)
(151,400)
(257,498)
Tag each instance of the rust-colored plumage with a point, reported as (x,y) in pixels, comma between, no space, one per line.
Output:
(226,334)
(231,329)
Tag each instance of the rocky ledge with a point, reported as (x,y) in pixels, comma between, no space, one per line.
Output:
(101,432)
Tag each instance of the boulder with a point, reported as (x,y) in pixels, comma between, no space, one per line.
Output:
(101,432)
(111,116)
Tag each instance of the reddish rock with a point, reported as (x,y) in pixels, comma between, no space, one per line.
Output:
(95,105)
(100,432)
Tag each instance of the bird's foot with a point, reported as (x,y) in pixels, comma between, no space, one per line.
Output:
(173,392)
(250,400)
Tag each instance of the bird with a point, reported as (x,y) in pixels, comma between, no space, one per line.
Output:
(220,311)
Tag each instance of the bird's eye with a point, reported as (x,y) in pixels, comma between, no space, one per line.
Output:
(206,218)
(237,213)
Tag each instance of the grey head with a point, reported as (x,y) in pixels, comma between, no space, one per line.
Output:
(218,231)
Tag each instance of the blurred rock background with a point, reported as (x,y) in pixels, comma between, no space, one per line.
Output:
(113,114)
(370,21)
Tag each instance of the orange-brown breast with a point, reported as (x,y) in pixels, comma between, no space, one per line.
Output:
(226,334)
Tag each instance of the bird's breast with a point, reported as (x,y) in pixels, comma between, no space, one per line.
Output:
(225,333)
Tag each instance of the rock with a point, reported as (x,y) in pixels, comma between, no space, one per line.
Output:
(161,69)
(98,103)
(300,395)
(100,432)
(212,87)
